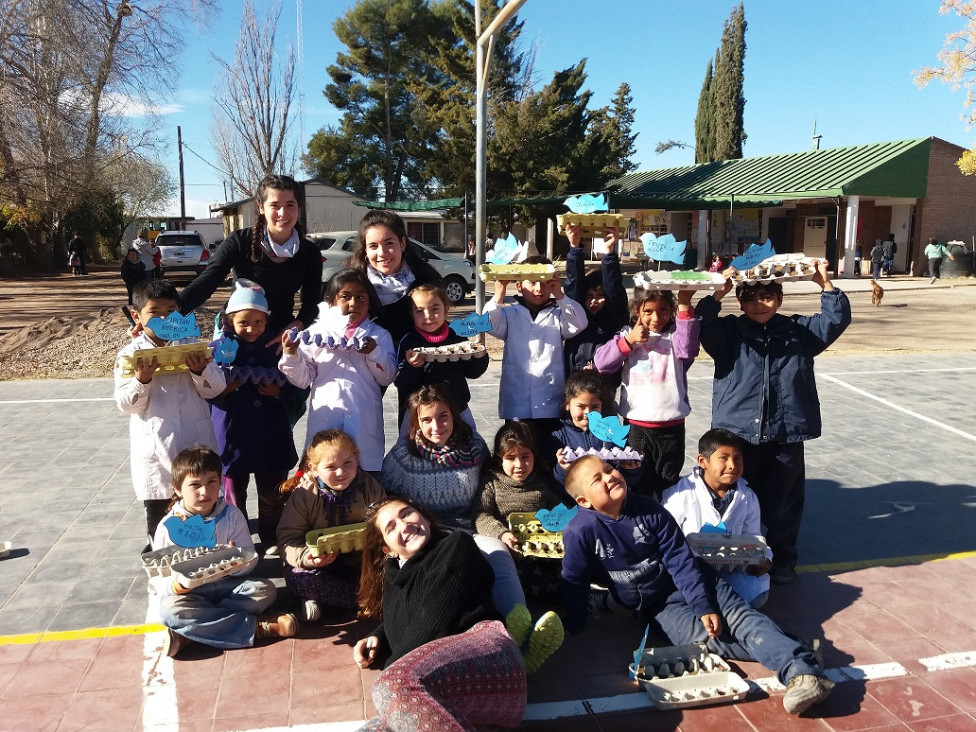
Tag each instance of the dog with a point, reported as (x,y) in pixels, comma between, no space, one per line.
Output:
(877,292)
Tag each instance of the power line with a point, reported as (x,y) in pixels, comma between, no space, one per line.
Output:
(204,160)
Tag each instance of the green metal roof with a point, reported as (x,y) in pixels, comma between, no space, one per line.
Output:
(898,169)
(444,203)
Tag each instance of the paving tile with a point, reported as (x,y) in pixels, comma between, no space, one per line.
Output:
(36,713)
(61,676)
(339,685)
(102,710)
(850,707)
(325,710)
(269,692)
(251,721)
(957,685)
(83,649)
(953,723)
(911,699)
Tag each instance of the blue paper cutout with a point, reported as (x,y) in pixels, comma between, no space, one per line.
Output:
(709,529)
(607,429)
(587,203)
(503,250)
(557,518)
(753,256)
(639,652)
(472,324)
(191,532)
(664,248)
(174,326)
(225,351)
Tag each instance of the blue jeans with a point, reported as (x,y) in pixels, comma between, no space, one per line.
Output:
(747,634)
(222,614)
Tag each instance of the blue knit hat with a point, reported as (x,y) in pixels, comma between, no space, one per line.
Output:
(247,295)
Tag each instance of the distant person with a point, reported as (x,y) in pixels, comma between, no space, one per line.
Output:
(77,254)
(889,249)
(877,259)
(147,252)
(935,251)
(133,271)
(470,250)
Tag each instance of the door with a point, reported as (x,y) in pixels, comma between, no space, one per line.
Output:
(815,236)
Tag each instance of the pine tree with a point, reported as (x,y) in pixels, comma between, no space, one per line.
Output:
(727,97)
(704,121)
(611,128)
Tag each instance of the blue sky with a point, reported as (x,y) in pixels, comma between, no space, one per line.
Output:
(845,64)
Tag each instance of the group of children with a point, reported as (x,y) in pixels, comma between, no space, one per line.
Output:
(563,361)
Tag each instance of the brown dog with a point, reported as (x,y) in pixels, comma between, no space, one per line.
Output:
(877,292)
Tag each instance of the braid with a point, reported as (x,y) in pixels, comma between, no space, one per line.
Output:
(257,234)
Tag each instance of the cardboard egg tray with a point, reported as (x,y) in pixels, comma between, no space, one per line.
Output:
(516,272)
(679,280)
(337,540)
(171,359)
(329,342)
(454,352)
(778,268)
(607,454)
(533,538)
(260,375)
(594,224)
(198,565)
(676,677)
(728,551)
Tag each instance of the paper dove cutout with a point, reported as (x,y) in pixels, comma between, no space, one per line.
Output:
(224,350)
(753,256)
(557,518)
(587,203)
(607,429)
(174,326)
(664,248)
(504,250)
(709,529)
(472,324)
(193,531)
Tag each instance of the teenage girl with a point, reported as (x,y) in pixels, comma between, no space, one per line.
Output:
(346,382)
(654,355)
(429,306)
(330,491)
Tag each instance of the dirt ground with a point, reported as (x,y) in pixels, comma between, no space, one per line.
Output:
(59,326)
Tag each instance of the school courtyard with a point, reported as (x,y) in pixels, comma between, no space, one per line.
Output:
(887,577)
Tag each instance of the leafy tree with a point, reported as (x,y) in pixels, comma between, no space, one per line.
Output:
(612,129)
(705,121)
(728,100)
(957,61)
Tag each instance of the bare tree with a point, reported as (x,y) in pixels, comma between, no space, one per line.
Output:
(253,98)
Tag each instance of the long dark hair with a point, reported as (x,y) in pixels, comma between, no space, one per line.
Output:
(439,391)
(277,183)
(370,595)
(344,277)
(392,221)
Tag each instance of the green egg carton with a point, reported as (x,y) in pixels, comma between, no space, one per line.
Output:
(516,272)
(171,359)
(533,538)
(337,540)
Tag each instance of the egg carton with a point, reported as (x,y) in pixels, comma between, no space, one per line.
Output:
(329,342)
(593,224)
(533,538)
(158,563)
(728,551)
(171,359)
(778,268)
(454,352)
(607,454)
(679,280)
(213,566)
(260,375)
(687,676)
(336,540)
(516,272)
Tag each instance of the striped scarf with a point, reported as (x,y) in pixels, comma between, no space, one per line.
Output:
(451,454)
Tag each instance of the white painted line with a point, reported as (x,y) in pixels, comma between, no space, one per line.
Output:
(873,671)
(160,712)
(56,401)
(949,661)
(903,410)
(555,710)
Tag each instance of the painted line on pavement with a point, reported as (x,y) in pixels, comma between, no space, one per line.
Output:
(160,710)
(57,401)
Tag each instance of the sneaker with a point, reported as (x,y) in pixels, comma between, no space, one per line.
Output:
(311,611)
(271,551)
(805,690)
(932,281)
(547,636)
(781,575)
(173,643)
(518,623)
(276,625)
(600,601)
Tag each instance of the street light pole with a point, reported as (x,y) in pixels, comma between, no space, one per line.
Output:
(179,144)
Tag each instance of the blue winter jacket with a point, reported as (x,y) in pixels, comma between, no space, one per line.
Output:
(764,388)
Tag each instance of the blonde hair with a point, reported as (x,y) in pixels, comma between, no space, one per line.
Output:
(321,441)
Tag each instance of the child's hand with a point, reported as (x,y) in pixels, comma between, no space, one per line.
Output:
(369,345)
(684,299)
(289,346)
(610,238)
(728,274)
(365,651)
(500,287)
(196,362)
(414,359)
(271,389)
(573,234)
(276,343)
(232,386)
(759,570)
(145,369)
(629,464)
(821,277)
(509,540)
(560,458)
(638,334)
(713,624)
(325,560)
(556,288)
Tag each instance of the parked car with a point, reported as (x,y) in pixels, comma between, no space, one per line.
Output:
(457,272)
(182,252)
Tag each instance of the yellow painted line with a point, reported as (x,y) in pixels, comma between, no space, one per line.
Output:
(884,562)
(83,634)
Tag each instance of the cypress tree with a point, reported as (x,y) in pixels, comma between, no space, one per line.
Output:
(728,100)
(704,122)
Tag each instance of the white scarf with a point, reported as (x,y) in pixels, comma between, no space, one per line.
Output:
(391,287)
(283,251)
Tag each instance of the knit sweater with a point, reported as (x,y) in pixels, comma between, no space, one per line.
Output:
(499,495)
(442,590)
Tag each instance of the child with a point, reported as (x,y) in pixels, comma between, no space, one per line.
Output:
(331,491)
(133,271)
(630,542)
(654,355)
(714,493)
(168,412)
(512,483)
(586,391)
(429,306)
(533,371)
(346,383)
(223,613)
(764,391)
(601,292)
(250,418)
(716,265)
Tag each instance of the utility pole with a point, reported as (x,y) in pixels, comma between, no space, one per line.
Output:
(179,144)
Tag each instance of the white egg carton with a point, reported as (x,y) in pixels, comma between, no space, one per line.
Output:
(678,677)
(328,342)
(260,375)
(196,566)
(453,352)
(778,268)
(607,454)
(679,280)
(728,551)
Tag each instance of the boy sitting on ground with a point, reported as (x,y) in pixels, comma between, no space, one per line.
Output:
(630,542)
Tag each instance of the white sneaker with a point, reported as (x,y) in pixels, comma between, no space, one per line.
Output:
(311,611)
(932,281)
